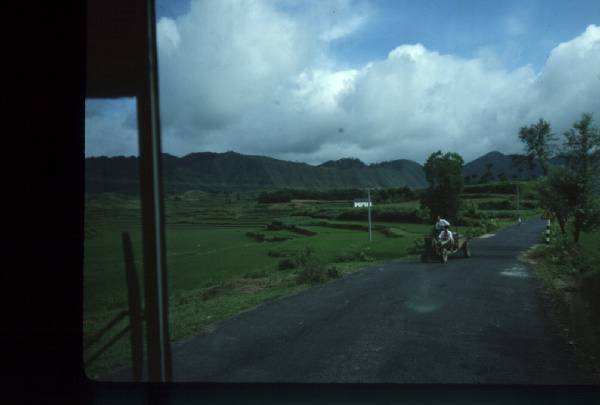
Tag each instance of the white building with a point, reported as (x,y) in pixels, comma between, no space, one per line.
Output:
(362,202)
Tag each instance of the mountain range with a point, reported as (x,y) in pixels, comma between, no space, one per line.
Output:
(231,171)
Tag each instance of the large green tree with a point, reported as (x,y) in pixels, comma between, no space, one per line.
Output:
(570,192)
(582,150)
(539,143)
(558,193)
(444,174)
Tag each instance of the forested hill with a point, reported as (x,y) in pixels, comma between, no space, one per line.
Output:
(495,166)
(232,171)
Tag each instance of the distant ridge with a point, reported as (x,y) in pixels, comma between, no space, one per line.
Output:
(232,171)
(497,166)
(344,163)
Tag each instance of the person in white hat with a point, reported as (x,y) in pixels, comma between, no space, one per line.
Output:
(441,224)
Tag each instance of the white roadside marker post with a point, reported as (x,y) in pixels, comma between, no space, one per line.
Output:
(547,232)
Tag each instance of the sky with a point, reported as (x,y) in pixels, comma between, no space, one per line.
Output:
(312,81)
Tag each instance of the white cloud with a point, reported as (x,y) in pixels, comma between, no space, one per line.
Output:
(109,128)
(168,38)
(257,77)
(417,101)
(570,81)
(231,72)
(338,31)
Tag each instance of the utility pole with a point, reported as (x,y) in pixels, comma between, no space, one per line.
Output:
(369,206)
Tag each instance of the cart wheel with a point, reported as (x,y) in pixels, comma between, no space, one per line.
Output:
(466,250)
(444,256)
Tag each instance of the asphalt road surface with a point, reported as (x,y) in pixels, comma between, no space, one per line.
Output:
(469,321)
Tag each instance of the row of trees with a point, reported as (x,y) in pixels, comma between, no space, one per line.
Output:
(569,192)
(388,195)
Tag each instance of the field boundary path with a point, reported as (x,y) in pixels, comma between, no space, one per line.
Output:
(478,320)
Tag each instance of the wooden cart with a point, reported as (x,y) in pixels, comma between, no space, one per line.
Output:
(440,250)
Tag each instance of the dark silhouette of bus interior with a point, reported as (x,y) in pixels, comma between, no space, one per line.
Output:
(121,62)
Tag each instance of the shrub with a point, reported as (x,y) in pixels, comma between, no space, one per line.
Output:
(424,214)
(471,210)
(496,205)
(275,226)
(279,196)
(281,253)
(364,256)
(357,214)
(395,215)
(415,215)
(584,264)
(259,237)
(286,263)
(475,196)
(303,256)
(491,225)
(497,188)
(530,204)
(590,288)
(256,274)
(312,272)
(360,256)
(390,233)
(502,214)
(210,292)
(471,216)
(474,231)
(344,257)
(303,213)
(278,238)
(353,227)
(530,195)
(300,231)
(418,247)
(480,227)
(332,272)
(568,254)
(280,226)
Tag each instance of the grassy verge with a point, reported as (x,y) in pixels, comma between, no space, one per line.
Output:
(200,310)
(570,279)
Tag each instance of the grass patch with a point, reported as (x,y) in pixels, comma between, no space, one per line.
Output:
(362,255)
(393,232)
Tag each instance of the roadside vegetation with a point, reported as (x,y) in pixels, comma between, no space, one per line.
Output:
(570,277)
(569,266)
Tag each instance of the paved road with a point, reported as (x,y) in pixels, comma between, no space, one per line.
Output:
(475,320)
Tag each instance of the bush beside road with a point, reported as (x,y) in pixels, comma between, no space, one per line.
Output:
(571,279)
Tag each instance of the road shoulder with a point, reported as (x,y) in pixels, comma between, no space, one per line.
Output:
(568,307)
